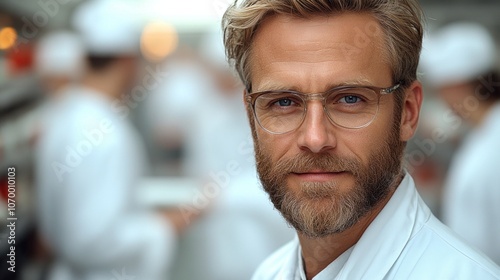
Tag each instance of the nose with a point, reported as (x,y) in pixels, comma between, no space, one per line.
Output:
(316,133)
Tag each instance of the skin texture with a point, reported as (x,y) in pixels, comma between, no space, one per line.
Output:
(312,55)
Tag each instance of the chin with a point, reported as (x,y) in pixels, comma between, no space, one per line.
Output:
(319,209)
(320,191)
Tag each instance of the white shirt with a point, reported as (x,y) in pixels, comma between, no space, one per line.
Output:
(405,241)
(88,165)
(471,202)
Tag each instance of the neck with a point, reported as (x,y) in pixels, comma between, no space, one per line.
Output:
(318,253)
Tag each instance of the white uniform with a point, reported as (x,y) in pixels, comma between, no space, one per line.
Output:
(405,241)
(237,233)
(471,205)
(88,165)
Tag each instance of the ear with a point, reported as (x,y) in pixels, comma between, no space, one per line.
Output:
(411,111)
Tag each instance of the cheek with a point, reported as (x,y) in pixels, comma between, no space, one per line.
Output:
(276,146)
(355,144)
(364,142)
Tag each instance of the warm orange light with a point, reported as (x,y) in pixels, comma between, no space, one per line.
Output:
(8,37)
(158,40)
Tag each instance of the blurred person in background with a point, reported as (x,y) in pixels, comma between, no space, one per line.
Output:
(90,160)
(201,100)
(459,62)
(170,114)
(59,64)
(330,117)
(59,61)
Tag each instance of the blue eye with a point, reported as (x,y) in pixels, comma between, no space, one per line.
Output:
(284,102)
(350,99)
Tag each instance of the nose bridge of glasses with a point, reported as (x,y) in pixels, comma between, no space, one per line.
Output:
(317,106)
(321,102)
(314,96)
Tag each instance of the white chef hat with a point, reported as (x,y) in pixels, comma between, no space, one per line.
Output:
(459,52)
(109,27)
(60,53)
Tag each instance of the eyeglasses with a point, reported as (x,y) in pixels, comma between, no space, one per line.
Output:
(283,111)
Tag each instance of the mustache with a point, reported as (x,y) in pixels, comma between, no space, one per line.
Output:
(306,162)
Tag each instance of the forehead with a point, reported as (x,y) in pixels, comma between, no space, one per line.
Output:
(309,54)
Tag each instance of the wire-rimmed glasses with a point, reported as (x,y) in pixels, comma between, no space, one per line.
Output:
(283,111)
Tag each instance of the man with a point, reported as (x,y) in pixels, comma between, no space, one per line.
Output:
(90,160)
(459,61)
(332,98)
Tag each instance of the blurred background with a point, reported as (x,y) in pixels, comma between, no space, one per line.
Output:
(191,122)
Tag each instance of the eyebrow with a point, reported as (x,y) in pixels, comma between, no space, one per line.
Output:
(273,86)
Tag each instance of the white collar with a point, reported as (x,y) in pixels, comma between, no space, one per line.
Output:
(382,242)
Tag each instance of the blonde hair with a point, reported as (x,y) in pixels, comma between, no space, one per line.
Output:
(401,21)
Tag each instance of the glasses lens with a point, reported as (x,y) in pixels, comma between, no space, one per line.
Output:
(279,112)
(352,107)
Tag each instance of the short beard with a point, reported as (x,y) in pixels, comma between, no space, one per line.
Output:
(306,210)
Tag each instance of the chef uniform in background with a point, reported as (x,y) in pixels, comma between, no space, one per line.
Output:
(240,228)
(59,63)
(90,160)
(460,62)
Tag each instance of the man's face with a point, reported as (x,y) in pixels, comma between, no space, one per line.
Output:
(322,177)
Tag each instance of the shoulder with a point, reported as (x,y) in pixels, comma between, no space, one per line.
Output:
(437,251)
(277,263)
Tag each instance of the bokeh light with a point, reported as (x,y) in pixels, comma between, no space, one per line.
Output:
(8,37)
(158,40)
